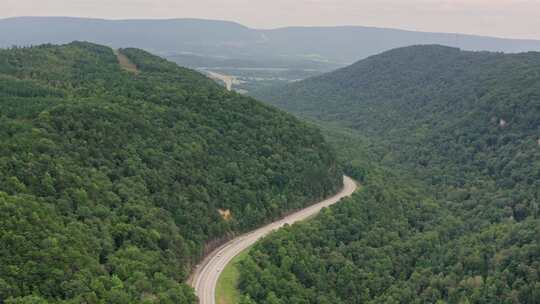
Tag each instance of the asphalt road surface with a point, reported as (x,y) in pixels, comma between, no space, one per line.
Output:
(205,278)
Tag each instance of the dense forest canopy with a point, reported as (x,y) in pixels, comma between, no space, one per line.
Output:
(436,108)
(111,182)
(447,145)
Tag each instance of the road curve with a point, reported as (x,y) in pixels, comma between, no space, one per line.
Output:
(205,278)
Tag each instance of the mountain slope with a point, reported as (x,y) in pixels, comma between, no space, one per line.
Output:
(448,149)
(452,115)
(154,35)
(346,44)
(228,40)
(112,182)
(419,94)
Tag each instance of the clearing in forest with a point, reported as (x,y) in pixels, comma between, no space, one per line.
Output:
(125,63)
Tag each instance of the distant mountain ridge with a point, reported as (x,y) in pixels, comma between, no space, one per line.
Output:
(225,39)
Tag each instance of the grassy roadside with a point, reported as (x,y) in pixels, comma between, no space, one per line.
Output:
(227,285)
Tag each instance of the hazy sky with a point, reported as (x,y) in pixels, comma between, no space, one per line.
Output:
(506,18)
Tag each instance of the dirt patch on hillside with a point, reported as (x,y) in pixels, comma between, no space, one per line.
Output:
(226,214)
(125,63)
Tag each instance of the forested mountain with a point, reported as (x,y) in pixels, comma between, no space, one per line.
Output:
(237,43)
(468,107)
(112,181)
(447,145)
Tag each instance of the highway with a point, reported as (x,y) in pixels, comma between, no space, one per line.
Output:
(228,80)
(205,278)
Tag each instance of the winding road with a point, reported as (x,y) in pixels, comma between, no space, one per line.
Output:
(205,278)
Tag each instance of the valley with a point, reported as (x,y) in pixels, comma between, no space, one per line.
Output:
(245,80)
(184,160)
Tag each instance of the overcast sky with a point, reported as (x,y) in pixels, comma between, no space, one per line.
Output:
(503,18)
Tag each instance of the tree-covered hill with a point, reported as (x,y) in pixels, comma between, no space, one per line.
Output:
(112,182)
(434,106)
(447,145)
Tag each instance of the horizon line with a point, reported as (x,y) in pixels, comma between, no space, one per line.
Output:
(272,28)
